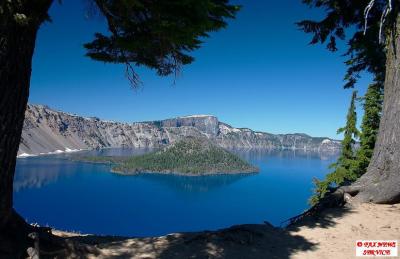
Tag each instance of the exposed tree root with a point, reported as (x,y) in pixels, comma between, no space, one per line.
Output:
(331,200)
(362,191)
(337,198)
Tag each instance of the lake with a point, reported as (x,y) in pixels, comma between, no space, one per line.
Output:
(84,197)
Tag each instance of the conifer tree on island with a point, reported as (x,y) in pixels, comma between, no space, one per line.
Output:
(157,34)
(375,29)
(345,167)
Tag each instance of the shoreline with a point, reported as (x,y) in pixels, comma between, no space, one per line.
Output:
(244,172)
(250,171)
(56,152)
(168,172)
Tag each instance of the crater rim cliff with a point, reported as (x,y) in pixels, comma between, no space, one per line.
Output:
(49,131)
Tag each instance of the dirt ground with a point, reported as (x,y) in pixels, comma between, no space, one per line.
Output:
(332,235)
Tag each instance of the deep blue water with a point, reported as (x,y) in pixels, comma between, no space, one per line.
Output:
(86,197)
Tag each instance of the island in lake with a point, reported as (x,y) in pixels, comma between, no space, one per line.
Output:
(190,156)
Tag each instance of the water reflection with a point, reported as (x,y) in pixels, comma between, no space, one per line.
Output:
(193,183)
(259,154)
(35,172)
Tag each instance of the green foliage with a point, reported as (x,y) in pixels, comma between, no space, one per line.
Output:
(157,34)
(350,132)
(345,19)
(190,156)
(345,169)
(373,100)
(320,189)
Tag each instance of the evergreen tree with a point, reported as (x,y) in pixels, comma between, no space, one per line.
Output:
(373,100)
(372,28)
(344,170)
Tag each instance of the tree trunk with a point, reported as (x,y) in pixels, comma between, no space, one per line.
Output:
(15,62)
(19,23)
(381,182)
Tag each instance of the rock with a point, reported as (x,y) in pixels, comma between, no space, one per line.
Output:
(46,130)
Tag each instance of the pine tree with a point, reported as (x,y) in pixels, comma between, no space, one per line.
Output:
(373,100)
(344,170)
(372,31)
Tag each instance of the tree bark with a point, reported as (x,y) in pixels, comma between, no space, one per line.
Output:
(19,23)
(381,182)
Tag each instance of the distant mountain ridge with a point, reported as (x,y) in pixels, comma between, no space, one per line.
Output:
(49,131)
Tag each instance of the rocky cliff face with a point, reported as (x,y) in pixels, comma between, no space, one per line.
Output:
(46,130)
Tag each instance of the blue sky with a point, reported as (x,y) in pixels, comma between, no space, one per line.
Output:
(258,73)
